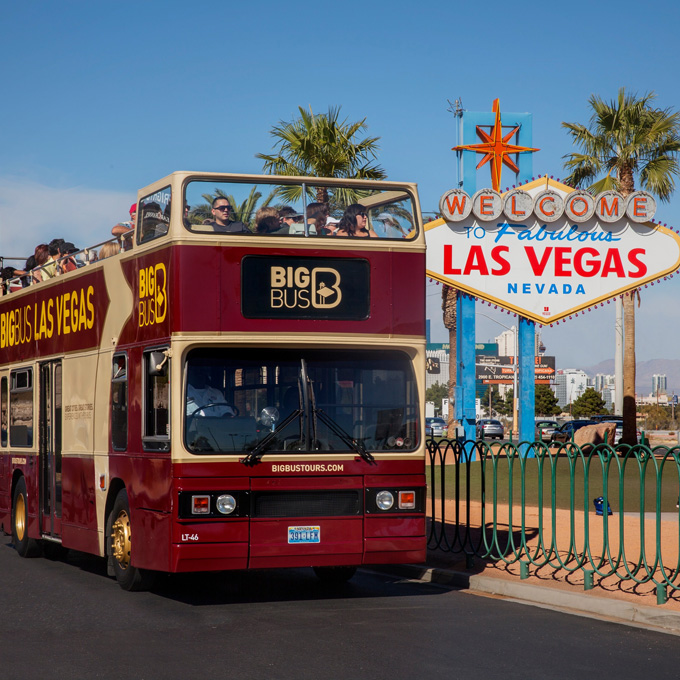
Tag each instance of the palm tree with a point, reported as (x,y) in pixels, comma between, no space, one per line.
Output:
(320,145)
(626,138)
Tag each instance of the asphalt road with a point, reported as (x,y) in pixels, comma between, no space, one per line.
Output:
(65,619)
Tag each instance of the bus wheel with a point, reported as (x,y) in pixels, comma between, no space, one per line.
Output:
(119,547)
(25,546)
(335,574)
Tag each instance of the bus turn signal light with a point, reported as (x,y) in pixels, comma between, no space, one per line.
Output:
(200,505)
(407,500)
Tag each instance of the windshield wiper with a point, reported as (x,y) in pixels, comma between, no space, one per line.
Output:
(355,444)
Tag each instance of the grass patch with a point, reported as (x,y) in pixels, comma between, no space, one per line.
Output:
(501,478)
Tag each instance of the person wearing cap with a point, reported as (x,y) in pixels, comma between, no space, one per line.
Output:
(124,231)
(391,227)
(292,222)
(66,263)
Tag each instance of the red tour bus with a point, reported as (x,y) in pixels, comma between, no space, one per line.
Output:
(238,386)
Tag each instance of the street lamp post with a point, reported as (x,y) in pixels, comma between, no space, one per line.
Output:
(515,371)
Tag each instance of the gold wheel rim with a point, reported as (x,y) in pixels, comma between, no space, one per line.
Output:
(20,517)
(120,540)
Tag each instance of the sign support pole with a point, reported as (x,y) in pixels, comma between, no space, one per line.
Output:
(527,387)
(467,369)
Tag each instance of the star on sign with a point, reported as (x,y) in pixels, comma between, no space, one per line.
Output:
(496,148)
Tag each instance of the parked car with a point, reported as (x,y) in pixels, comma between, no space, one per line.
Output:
(564,433)
(435,427)
(545,429)
(488,429)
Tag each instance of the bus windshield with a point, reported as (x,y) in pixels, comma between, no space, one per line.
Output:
(297,209)
(278,400)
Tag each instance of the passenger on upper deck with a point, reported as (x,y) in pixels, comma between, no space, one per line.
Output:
(10,280)
(292,222)
(66,263)
(317,215)
(125,230)
(221,222)
(267,220)
(108,249)
(41,257)
(355,222)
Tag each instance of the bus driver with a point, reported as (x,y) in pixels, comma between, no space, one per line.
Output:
(202,398)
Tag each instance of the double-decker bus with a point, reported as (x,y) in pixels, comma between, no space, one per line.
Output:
(239,386)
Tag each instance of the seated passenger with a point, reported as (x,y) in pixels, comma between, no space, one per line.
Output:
(124,231)
(317,215)
(221,223)
(66,263)
(10,280)
(390,226)
(267,220)
(41,256)
(108,249)
(354,223)
(292,222)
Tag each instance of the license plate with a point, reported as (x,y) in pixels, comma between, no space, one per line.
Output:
(304,534)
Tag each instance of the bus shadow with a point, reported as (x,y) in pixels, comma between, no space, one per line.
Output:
(283,585)
(257,586)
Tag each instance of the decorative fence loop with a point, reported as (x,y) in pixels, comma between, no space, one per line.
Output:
(533,504)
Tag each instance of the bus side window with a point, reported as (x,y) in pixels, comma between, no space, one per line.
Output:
(3,412)
(119,403)
(21,408)
(156,433)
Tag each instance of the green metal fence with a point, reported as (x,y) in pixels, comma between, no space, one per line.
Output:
(538,507)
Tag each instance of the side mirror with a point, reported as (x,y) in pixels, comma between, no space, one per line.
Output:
(157,363)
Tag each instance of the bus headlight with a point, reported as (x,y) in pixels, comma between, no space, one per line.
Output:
(384,500)
(226,504)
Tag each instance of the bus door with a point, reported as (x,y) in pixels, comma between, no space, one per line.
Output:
(50,448)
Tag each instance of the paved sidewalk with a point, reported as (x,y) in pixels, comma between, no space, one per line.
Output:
(626,604)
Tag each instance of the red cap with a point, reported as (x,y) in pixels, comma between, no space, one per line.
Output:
(133,208)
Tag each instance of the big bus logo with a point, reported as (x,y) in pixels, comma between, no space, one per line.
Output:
(302,287)
(153,296)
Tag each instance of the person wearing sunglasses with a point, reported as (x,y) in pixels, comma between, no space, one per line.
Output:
(221,210)
(354,223)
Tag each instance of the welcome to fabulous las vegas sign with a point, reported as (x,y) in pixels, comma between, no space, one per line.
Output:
(547,251)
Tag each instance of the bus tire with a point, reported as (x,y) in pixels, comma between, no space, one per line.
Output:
(25,546)
(335,574)
(119,548)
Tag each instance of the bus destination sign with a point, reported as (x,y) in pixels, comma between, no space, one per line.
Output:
(305,288)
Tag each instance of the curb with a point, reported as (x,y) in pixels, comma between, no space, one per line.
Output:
(579,604)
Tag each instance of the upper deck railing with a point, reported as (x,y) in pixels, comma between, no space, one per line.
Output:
(198,205)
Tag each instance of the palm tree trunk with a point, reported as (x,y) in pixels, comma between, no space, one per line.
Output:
(449,309)
(629,408)
(627,187)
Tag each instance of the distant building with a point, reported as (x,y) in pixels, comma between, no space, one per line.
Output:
(443,376)
(570,384)
(506,343)
(659,384)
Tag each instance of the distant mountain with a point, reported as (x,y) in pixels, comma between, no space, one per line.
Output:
(644,372)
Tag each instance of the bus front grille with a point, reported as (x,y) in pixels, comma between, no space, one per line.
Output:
(346,503)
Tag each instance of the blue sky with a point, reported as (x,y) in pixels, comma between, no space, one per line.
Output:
(100,99)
